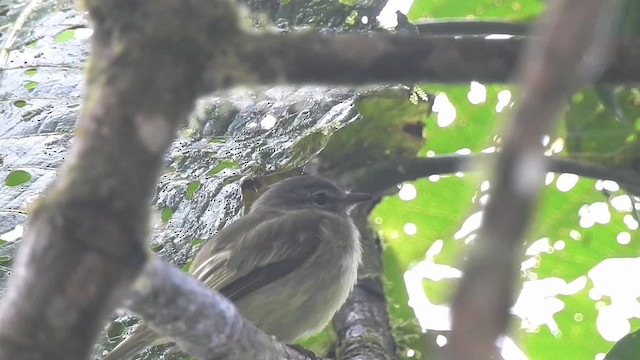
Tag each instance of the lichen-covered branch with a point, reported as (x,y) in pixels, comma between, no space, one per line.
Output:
(86,240)
(362,324)
(203,322)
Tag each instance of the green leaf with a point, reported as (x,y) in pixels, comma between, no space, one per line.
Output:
(167,213)
(481,9)
(116,330)
(30,85)
(31,71)
(65,35)
(192,187)
(195,242)
(17,177)
(19,103)
(224,164)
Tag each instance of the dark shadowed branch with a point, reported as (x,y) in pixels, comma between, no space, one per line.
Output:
(384,175)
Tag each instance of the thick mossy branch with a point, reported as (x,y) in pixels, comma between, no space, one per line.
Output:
(86,241)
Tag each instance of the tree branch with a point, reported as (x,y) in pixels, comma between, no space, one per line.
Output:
(362,324)
(200,320)
(384,175)
(564,56)
(86,239)
(364,59)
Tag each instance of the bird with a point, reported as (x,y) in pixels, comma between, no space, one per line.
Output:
(287,265)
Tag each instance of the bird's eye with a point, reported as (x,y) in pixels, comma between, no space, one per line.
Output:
(320,198)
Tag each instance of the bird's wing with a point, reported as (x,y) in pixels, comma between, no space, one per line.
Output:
(258,249)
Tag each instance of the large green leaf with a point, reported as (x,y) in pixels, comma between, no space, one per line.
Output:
(559,317)
(505,9)
(440,205)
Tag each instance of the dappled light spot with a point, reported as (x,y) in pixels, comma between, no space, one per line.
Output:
(608,185)
(498,36)
(556,147)
(566,182)
(430,153)
(510,350)
(630,221)
(530,263)
(463,151)
(13,234)
(471,224)
(485,185)
(623,238)
(407,192)
(411,353)
(611,325)
(545,140)
(434,249)
(441,340)
(410,229)
(434,178)
(489,150)
(559,245)
(548,179)
(470,239)
(539,246)
(483,199)
(388,18)
(598,212)
(445,110)
(578,317)
(613,318)
(364,19)
(622,203)
(595,294)
(268,122)
(575,235)
(504,97)
(430,316)
(83,33)
(599,356)
(477,93)
(537,303)
(378,220)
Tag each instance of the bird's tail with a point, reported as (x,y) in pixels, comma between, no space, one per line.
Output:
(141,338)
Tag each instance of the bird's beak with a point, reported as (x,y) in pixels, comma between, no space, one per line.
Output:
(354,198)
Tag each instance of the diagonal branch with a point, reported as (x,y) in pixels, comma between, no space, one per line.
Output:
(564,56)
(203,322)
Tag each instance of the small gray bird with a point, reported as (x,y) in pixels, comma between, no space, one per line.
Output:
(288,265)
